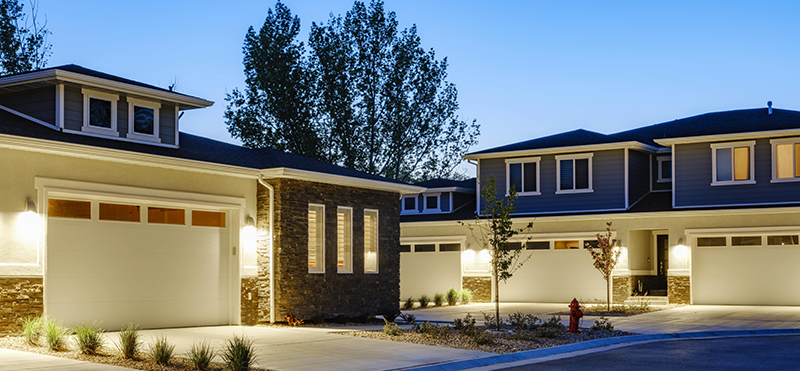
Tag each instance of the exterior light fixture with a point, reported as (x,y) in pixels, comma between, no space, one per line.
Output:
(30,206)
(249,222)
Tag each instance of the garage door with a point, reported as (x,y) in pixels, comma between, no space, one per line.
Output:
(753,269)
(118,262)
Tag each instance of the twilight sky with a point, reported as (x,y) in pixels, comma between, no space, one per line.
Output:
(523,69)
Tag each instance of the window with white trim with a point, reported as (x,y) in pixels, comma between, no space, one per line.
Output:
(732,163)
(316,238)
(99,112)
(371,241)
(409,204)
(785,159)
(344,239)
(522,174)
(664,169)
(574,173)
(143,120)
(431,202)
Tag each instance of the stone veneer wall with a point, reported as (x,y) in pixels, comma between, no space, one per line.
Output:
(249,301)
(481,288)
(620,288)
(262,255)
(678,289)
(19,298)
(328,294)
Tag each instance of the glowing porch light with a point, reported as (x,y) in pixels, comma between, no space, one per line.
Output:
(484,256)
(469,256)
(680,251)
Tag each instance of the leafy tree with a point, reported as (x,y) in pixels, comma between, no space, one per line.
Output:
(23,41)
(493,233)
(367,95)
(606,257)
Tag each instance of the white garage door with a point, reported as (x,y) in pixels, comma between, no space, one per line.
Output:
(747,270)
(135,263)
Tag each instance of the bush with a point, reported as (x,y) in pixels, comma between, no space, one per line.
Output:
(438,299)
(483,338)
(466,326)
(452,296)
(424,300)
(391,328)
(55,335)
(602,324)
(32,329)
(89,338)
(129,341)
(200,355)
(552,328)
(490,321)
(160,351)
(430,330)
(409,303)
(238,353)
(408,318)
(466,296)
(521,322)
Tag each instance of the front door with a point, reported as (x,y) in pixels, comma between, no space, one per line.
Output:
(662,263)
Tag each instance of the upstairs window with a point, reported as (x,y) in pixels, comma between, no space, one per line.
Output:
(522,174)
(664,169)
(409,204)
(431,202)
(732,163)
(99,112)
(143,123)
(785,159)
(574,173)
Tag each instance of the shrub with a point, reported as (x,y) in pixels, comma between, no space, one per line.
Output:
(292,320)
(408,318)
(551,328)
(391,328)
(452,296)
(465,326)
(490,321)
(602,324)
(200,355)
(238,353)
(32,329)
(409,303)
(521,322)
(89,338)
(466,296)
(160,351)
(424,300)
(438,299)
(129,341)
(483,338)
(55,335)
(430,330)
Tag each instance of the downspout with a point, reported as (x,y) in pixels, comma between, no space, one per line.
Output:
(271,248)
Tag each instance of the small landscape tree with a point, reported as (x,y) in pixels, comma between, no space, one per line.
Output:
(493,232)
(606,257)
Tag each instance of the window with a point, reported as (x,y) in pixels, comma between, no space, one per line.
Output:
(512,246)
(344,240)
(449,247)
(522,174)
(431,202)
(785,159)
(732,163)
(746,241)
(409,204)
(69,209)
(593,244)
(208,218)
(567,245)
(371,241)
(162,215)
(574,173)
(120,213)
(538,245)
(664,169)
(316,238)
(405,248)
(782,240)
(711,241)
(143,120)
(430,247)
(99,112)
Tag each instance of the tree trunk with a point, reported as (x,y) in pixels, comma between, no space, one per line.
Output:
(608,292)
(496,297)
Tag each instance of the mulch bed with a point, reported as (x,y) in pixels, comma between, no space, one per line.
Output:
(618,310)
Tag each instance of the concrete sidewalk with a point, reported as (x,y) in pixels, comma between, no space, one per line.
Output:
(15,360)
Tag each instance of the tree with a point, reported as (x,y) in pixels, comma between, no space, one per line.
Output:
(367,95)
(23,41)
(606,257)
(493,233)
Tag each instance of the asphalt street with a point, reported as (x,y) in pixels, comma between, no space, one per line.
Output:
(744,353)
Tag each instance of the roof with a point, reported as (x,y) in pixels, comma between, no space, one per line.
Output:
(577,137)
(192,147)
(465,212)
(448,183)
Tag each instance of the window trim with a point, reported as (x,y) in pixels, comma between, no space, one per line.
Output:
(732,145)
(377,242)
(403,209)
(574,157)
(342,270)
(425,208)
(661,178)
(113,98)
(522,162)
(156,107)
(322,265)
(774,143)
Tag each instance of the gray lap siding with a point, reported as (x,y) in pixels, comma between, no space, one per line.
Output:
(38,103)
(638,171)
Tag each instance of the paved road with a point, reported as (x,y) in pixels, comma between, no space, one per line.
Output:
(745,353)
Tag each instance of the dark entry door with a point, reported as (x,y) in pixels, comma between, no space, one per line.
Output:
(662,261)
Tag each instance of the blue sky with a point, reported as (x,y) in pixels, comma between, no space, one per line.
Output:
(523,69)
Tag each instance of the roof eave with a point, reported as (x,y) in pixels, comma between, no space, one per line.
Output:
(567,149)
(726,137)
(313,176)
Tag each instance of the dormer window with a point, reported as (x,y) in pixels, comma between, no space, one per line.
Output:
(143,120)
(664,169)
(409,204)
(431,203)
(99,112)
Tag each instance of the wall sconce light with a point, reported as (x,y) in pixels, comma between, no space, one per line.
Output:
(249,222)
(680,241)
(30,206)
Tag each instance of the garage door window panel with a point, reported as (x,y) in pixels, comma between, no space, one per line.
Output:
(445,247)
(712,242)
(163,215)
(567,245)
(746,241)
(782,240)
(120,213)
(208,218)
(69,209)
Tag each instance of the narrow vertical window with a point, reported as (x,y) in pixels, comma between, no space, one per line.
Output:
(344,240)
(316,238)
(370,241)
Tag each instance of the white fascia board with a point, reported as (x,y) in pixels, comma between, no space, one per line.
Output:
(312,176)
(570,149)
(66,76)
(450,189)
(728,137)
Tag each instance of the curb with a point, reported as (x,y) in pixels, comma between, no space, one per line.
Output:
(597,343)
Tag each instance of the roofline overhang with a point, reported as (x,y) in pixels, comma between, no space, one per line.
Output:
(570,149)
(726,137)
(185,101)
(137,158)
(449,189)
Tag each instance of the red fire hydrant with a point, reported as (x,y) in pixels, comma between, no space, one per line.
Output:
(575,314)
